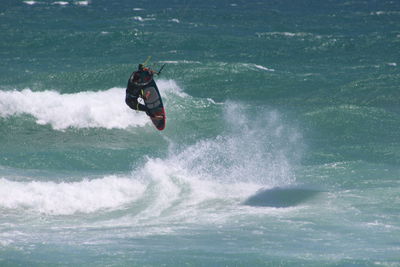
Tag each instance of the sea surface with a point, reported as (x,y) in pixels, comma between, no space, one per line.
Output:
(282,144)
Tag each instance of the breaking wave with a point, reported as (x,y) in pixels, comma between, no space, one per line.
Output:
(67,198)
(205,177)
(105,109)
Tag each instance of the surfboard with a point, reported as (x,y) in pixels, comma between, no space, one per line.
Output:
(153,101)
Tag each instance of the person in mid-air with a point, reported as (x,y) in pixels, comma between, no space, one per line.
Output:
(138,80)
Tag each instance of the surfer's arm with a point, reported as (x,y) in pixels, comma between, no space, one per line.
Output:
(152,72)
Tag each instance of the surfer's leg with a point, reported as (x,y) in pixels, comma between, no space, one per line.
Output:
(130,101)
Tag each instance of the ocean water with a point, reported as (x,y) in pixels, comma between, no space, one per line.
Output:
(282,144)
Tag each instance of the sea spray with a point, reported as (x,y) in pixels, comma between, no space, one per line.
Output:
(256,149)
(208,178)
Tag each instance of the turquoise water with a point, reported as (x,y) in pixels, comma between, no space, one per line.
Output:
(281,146)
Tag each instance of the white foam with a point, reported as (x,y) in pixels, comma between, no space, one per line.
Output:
(253,150)
(138,18)
(207,182)
(202,182)
(8,237)
(166,190)
(81,110)
(285,34)
(30,2)
(141,19)
(175,20)
(248,153)
(104,109)
(170,87)
(256,67)
(380,13)
(263,68)
(180,62)
(68,198)
(61,3)
(179,194)
(82,3)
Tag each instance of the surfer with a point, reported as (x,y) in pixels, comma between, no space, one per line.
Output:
(139,80)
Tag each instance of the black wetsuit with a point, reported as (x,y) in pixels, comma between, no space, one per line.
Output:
(138,80)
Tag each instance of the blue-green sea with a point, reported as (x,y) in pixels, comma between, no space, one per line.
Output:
(282,143)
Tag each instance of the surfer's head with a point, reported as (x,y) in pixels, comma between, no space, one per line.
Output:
(140,67)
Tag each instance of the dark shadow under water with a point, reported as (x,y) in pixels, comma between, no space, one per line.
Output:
(280,197)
